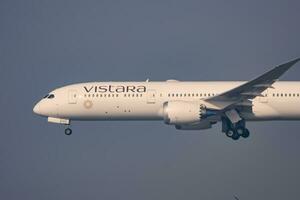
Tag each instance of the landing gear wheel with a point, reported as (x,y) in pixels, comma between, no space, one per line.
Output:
(235,136)
(68,131)
(246,133)
(229,133)
(240,131)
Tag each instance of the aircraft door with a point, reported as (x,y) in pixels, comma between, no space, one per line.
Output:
(151,96)
(72,97)
(264,98)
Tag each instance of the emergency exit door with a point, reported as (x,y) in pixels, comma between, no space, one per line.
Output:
(151,96)
(264,97)
(72,97)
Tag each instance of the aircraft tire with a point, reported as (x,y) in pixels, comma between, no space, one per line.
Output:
(229,133)
(246,133)
(68,131)
(235,135)
(240,131)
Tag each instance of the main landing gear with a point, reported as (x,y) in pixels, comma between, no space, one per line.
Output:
(236,130)
(68,131)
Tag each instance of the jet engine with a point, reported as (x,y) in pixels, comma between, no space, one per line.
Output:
(185,113)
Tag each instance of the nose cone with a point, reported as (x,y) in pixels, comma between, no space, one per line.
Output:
(37,109)
(46,108)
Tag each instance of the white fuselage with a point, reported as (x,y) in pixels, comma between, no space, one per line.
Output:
(145,100)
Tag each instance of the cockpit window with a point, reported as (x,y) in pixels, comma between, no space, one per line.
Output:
(46,96)
(51,96)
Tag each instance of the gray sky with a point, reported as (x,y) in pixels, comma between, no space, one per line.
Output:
(47,44)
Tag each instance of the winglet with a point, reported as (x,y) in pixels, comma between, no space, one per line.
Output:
(284,67)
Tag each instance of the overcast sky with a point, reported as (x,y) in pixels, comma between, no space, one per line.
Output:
(48,44)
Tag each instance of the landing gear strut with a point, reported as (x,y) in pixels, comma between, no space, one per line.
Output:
(68,131)
(236,130)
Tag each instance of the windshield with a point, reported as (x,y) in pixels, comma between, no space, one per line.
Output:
(51,96)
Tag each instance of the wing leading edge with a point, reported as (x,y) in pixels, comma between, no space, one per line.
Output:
(251,89)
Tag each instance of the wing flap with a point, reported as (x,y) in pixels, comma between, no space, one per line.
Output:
(252,94)
(264,86)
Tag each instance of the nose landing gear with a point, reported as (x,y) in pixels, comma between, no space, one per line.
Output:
(68,131)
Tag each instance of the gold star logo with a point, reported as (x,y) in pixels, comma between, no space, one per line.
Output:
(88,104)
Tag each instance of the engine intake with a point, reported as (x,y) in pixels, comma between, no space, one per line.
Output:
(183,112)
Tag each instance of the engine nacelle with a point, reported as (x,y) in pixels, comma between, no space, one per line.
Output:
(183,112)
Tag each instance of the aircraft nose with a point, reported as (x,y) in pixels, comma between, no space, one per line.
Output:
(46,109)
(37,109)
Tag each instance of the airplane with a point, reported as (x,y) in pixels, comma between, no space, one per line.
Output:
(186,105)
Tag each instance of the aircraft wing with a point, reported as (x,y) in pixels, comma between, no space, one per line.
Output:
(251,89)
